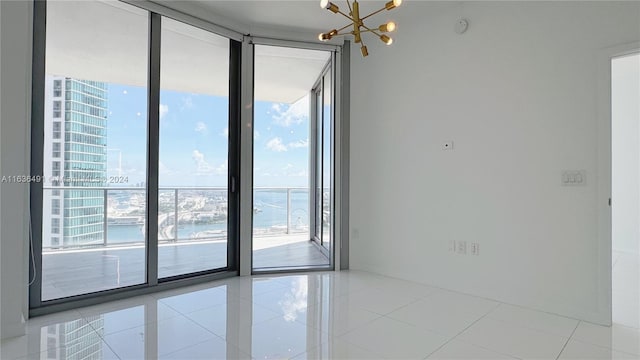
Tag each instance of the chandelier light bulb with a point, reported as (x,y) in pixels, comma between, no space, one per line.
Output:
(391,26)
(326,4)
(388,27)
(392,4)
(385,39)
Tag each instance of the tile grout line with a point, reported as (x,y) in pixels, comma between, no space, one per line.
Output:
(413,301)
(569,339)
(101,336)
(484,347)
(155,323)
(200,326)
(463,330)
(536,329)
(479,297)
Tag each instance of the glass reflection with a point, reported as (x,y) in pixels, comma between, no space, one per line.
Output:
(294,302)
(234,318)
(77,339)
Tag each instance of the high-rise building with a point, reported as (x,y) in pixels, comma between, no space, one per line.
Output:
(77,339)
(75,156)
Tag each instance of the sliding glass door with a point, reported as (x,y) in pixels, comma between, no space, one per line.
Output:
(131,131)
(282,158)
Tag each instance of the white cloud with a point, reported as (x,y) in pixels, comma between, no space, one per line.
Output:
(163,169)
(138,113)
(291,171)
(299,144)
(124,92)
(164,109)
(202,166)
(201,128)
(287,115)
(187,103)
(276,145)
(222,169)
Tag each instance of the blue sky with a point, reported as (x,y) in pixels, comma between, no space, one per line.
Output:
(193,139)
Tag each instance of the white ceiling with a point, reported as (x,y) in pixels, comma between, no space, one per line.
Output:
(107,41)
(252,16)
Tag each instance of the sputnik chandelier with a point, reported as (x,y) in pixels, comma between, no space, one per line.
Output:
(357,23)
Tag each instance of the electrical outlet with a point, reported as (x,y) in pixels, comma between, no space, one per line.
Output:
(461,247)
(475,249)
(574,177)
(452,246)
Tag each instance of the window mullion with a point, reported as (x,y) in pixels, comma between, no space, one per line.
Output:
(153,147)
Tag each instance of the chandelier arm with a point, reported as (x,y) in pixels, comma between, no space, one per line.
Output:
(373,13)
(370,30)
(347,16)
(349,5)
(344,27)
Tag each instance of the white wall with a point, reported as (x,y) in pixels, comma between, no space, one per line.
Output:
(15,73)
(517,94)
(625,81)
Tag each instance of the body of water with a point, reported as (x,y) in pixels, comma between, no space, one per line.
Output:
(270,215)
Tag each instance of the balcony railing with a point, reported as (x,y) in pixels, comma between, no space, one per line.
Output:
(185,214)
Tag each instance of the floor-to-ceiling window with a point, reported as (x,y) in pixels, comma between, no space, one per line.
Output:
(193,164)
(136,136)
(94,154)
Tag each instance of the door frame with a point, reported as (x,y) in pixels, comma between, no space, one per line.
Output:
(336,62)
(604,173)
(315,127)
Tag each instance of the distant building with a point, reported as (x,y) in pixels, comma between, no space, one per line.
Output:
(75,157)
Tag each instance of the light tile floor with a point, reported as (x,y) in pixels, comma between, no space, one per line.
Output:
(331,315)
